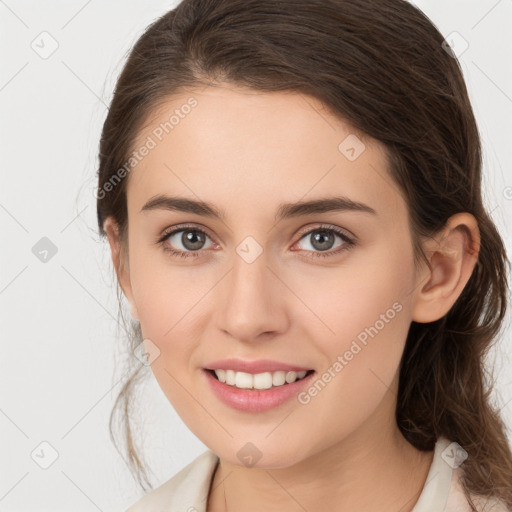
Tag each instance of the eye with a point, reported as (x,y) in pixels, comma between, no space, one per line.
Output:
(322,240)
(184,241)
(189,241)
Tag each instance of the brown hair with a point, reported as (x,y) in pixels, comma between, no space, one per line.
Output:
(381,67)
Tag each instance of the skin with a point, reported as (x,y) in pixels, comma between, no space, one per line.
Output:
(246,152)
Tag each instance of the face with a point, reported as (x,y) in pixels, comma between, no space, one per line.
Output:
(320,288)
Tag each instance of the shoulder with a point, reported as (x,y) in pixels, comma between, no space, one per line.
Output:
(187,490)
(443,489)
(457,501)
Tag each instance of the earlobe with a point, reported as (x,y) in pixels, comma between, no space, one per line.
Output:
(452,255)
(120,262)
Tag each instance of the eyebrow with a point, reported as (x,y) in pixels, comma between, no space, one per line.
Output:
(284,211)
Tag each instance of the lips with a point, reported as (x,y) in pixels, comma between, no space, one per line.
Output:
(255,367)
(255,400)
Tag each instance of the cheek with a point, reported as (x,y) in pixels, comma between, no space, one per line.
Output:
(365,313)
(370,314)
(174,304)
(366,291)
(169,306)
(165,292)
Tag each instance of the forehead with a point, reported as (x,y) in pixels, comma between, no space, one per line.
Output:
(243,147)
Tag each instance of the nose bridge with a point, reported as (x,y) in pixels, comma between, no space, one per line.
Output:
(250,271)
(250,304)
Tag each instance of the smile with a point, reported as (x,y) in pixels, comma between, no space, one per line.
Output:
(252,398)
(265,380)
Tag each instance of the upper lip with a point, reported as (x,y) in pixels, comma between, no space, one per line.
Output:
(254,367)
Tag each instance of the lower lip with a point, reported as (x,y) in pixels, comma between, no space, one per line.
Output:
(256,400)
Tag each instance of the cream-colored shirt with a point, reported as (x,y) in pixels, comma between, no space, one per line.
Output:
(187,491)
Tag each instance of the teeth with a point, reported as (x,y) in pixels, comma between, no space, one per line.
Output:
(265,380)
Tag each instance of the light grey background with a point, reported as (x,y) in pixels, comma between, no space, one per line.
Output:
(58,318)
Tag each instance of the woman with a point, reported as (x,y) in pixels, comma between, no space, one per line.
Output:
(291,194)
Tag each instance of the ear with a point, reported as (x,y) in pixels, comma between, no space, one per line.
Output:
(119,255)
(452,255)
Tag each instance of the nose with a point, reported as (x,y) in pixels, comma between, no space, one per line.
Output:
(252,302)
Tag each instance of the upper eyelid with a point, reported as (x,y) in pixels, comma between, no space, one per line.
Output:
(176,229)
(328,227)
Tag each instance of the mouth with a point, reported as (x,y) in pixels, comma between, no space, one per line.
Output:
(256,393)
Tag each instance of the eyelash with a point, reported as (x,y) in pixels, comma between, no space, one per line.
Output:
(349,243)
